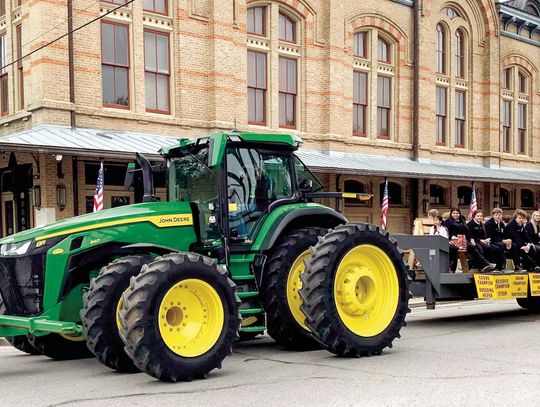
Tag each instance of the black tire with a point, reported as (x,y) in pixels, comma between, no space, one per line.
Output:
(281,324)
(19,342)
(317,291)
(98,315)
(57,347)
(140,317)
(530,303)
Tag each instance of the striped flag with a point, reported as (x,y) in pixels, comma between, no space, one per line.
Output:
(98,196)
(384,205)
(474,207)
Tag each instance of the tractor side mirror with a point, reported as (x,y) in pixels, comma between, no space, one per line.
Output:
(129,181)
(306,185)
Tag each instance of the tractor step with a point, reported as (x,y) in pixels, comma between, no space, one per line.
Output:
(247,294)
(250,311)
(244,278)
(255,328)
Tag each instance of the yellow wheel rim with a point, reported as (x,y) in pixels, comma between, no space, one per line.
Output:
(294,284)
(119,306)
(366,290)
(191,317)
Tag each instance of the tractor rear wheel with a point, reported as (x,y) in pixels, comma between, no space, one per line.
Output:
(58,347)
(279,289)
(99,316)
(355,290)
(19,342)
(180,317)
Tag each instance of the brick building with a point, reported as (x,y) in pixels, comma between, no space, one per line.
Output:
(432,95)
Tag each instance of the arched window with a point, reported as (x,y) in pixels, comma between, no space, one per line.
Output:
(395,193)
(460,54)
(505,198)
(383,51)
(464,195)
(360,41)
(532,10)
(437,195)
(256,21)
(527,198)
(440,49)
(287,28)
(522,82)
(450,13)
(351,185)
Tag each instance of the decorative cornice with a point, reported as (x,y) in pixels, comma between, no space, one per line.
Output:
(511,15)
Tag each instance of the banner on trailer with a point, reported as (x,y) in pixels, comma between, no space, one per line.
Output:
(534,281)
(500,287)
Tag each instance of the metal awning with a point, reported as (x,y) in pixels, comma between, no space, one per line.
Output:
(85,142)
(113,144)
(362,164)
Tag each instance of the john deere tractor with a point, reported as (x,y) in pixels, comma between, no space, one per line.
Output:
(238,248)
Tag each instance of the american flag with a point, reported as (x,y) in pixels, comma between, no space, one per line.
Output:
(384,205)
(98,196)
(474,207)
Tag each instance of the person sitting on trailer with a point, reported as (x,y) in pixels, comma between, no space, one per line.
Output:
(438,229)
(432,214)
(496,231)
(457,227)
(533,231)
(521,242)
(479,236)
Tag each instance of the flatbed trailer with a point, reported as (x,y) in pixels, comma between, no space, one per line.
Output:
(435,283)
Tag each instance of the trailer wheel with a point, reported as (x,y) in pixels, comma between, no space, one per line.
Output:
(279,289)
(61,347)
(19,342)
(355,290)
(180,317)
(530,303)
(99,316)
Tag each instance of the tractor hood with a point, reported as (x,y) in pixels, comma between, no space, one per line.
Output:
(159,213)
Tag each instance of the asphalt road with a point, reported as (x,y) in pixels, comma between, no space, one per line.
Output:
(460,354)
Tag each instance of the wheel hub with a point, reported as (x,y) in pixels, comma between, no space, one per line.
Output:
(357,291)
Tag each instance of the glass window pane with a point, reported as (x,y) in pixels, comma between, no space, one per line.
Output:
(121,80)
(356,87)
(121,46)
(282,27)
(291,76)
(282,106)
(259,106)
(259,20)
(108,84)
(148,4)
(251,105)
(160,6)
(5,97)
(282,75)
(261,70)
(107,43)
(163,93)
(290,110)
(150,88)
(150,51)
(163,53)
(251,69)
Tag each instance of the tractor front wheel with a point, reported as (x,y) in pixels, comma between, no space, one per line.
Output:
(59,347)
(180,317)
(355,290)
(280,289)
(99,316)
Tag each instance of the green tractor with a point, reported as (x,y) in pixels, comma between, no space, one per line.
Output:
(238,248)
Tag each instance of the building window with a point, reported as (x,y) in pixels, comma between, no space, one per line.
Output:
(287,92)
(287,28)
(507,126)
(527,198)
(357,187)
(450,12)
(115,65)
(395,193)
(460,54)
(464,195)
(441,112)
(257,87)
(157,72)
(507,79)
(437,195)
(440,49)
(360,103)
(384,107)
(383,51)
(360,44)
(4,94)
(2,7)
(522,83)
(460,118)
(522,128)
(256,21)
(20,73)
(156,6)
(505,198)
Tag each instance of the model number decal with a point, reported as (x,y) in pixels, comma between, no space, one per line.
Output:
(41,243)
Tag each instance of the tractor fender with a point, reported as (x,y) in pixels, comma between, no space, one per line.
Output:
(300,218)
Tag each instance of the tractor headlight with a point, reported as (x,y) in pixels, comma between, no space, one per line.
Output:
(15,249)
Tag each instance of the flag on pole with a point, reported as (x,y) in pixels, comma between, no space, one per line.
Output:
(474,207)
(98,196)
(384,205)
